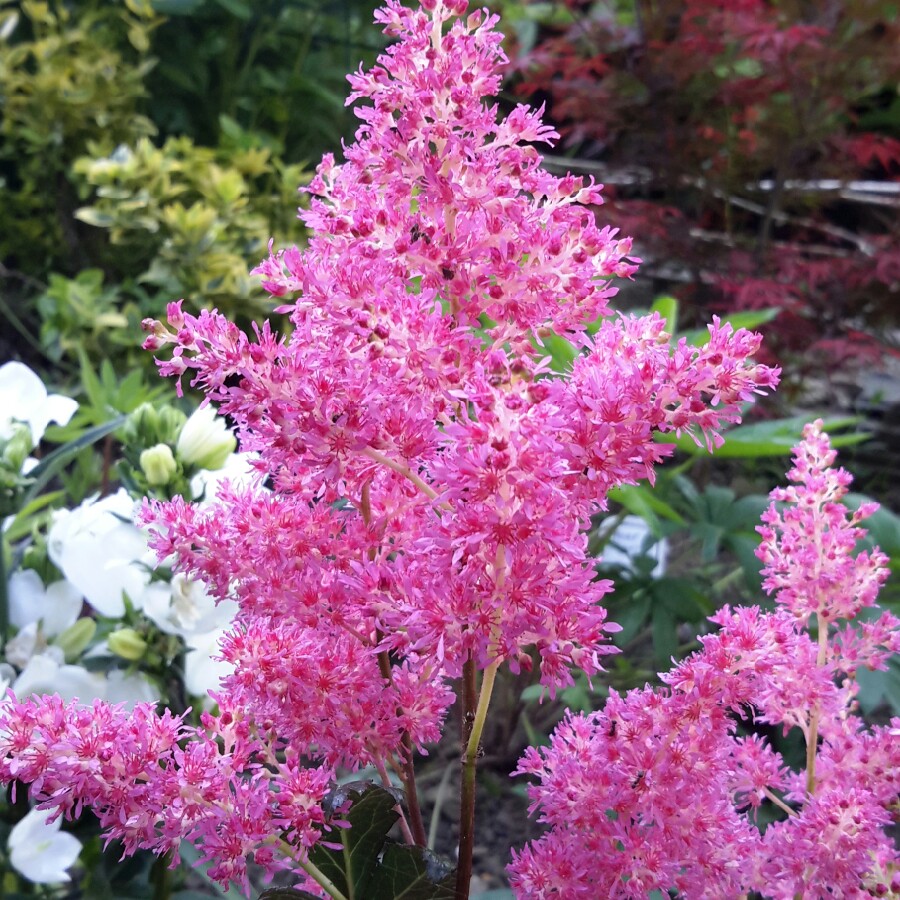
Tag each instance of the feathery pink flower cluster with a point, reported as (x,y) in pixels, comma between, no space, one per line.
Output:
(425,482)
(652,793)
(154,782)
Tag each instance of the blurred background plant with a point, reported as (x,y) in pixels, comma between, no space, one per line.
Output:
(751,148)
(150,150)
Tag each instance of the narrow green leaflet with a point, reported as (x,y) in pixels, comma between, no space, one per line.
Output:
(766,439)
(751,319)
(667,307)
(53,462)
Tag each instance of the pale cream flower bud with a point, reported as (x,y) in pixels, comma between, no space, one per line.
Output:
(158,464)
(127,643)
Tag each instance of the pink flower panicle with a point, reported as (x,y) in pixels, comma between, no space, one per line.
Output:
(153,782)
(425,483)
(659,790)
(441,253)
(806,547)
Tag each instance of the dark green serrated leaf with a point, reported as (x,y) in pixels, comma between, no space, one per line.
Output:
(411,873)
(371,817)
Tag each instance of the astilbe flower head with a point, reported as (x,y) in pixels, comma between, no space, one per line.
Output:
(424,482)
(153,781)
(412,395)
(659,790)
(806,547)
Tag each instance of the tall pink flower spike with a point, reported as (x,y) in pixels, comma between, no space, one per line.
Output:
(425,482)
(659,790)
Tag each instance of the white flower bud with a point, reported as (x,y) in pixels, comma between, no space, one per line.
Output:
(205,440)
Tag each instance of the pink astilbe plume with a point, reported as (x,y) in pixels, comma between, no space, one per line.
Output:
(411,404)
(661,789)
(154,781)
(425,481)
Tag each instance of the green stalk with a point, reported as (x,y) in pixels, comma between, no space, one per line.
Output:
(467,791)
(323,880)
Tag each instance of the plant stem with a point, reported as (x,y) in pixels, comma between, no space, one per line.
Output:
(407,772)
(813,737)
(403,823)
(322,880)
(416,823)
(438,806)
(779,802)
(403,470)
(469,700)
(467,791)
(160,877)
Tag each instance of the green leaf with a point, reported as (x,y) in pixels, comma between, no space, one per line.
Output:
(177,7)
(369,865)
(532,693)
(751,319)
(371,817)
(90,215)
(667,307)
(879,687)
(631,618)
(54,462)
(883,526)
(411,873)
(238,8)
(20,525)
(681,598)
(643,501)
(665,638)
(562,353)
(766,439)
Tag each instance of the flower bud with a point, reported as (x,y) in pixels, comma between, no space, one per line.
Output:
(75,639)
(15,449)
(128,644)
(158,464)
(205,440)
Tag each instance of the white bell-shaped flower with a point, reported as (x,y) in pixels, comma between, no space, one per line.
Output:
(39,851)
(102,552)
(23,398)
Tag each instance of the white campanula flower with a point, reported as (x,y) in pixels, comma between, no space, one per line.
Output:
(46,673)
(102,552)
(39,851)
(185,608)
(23,398)
(237,470)
(203,669)
(130,688)
(56,606)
